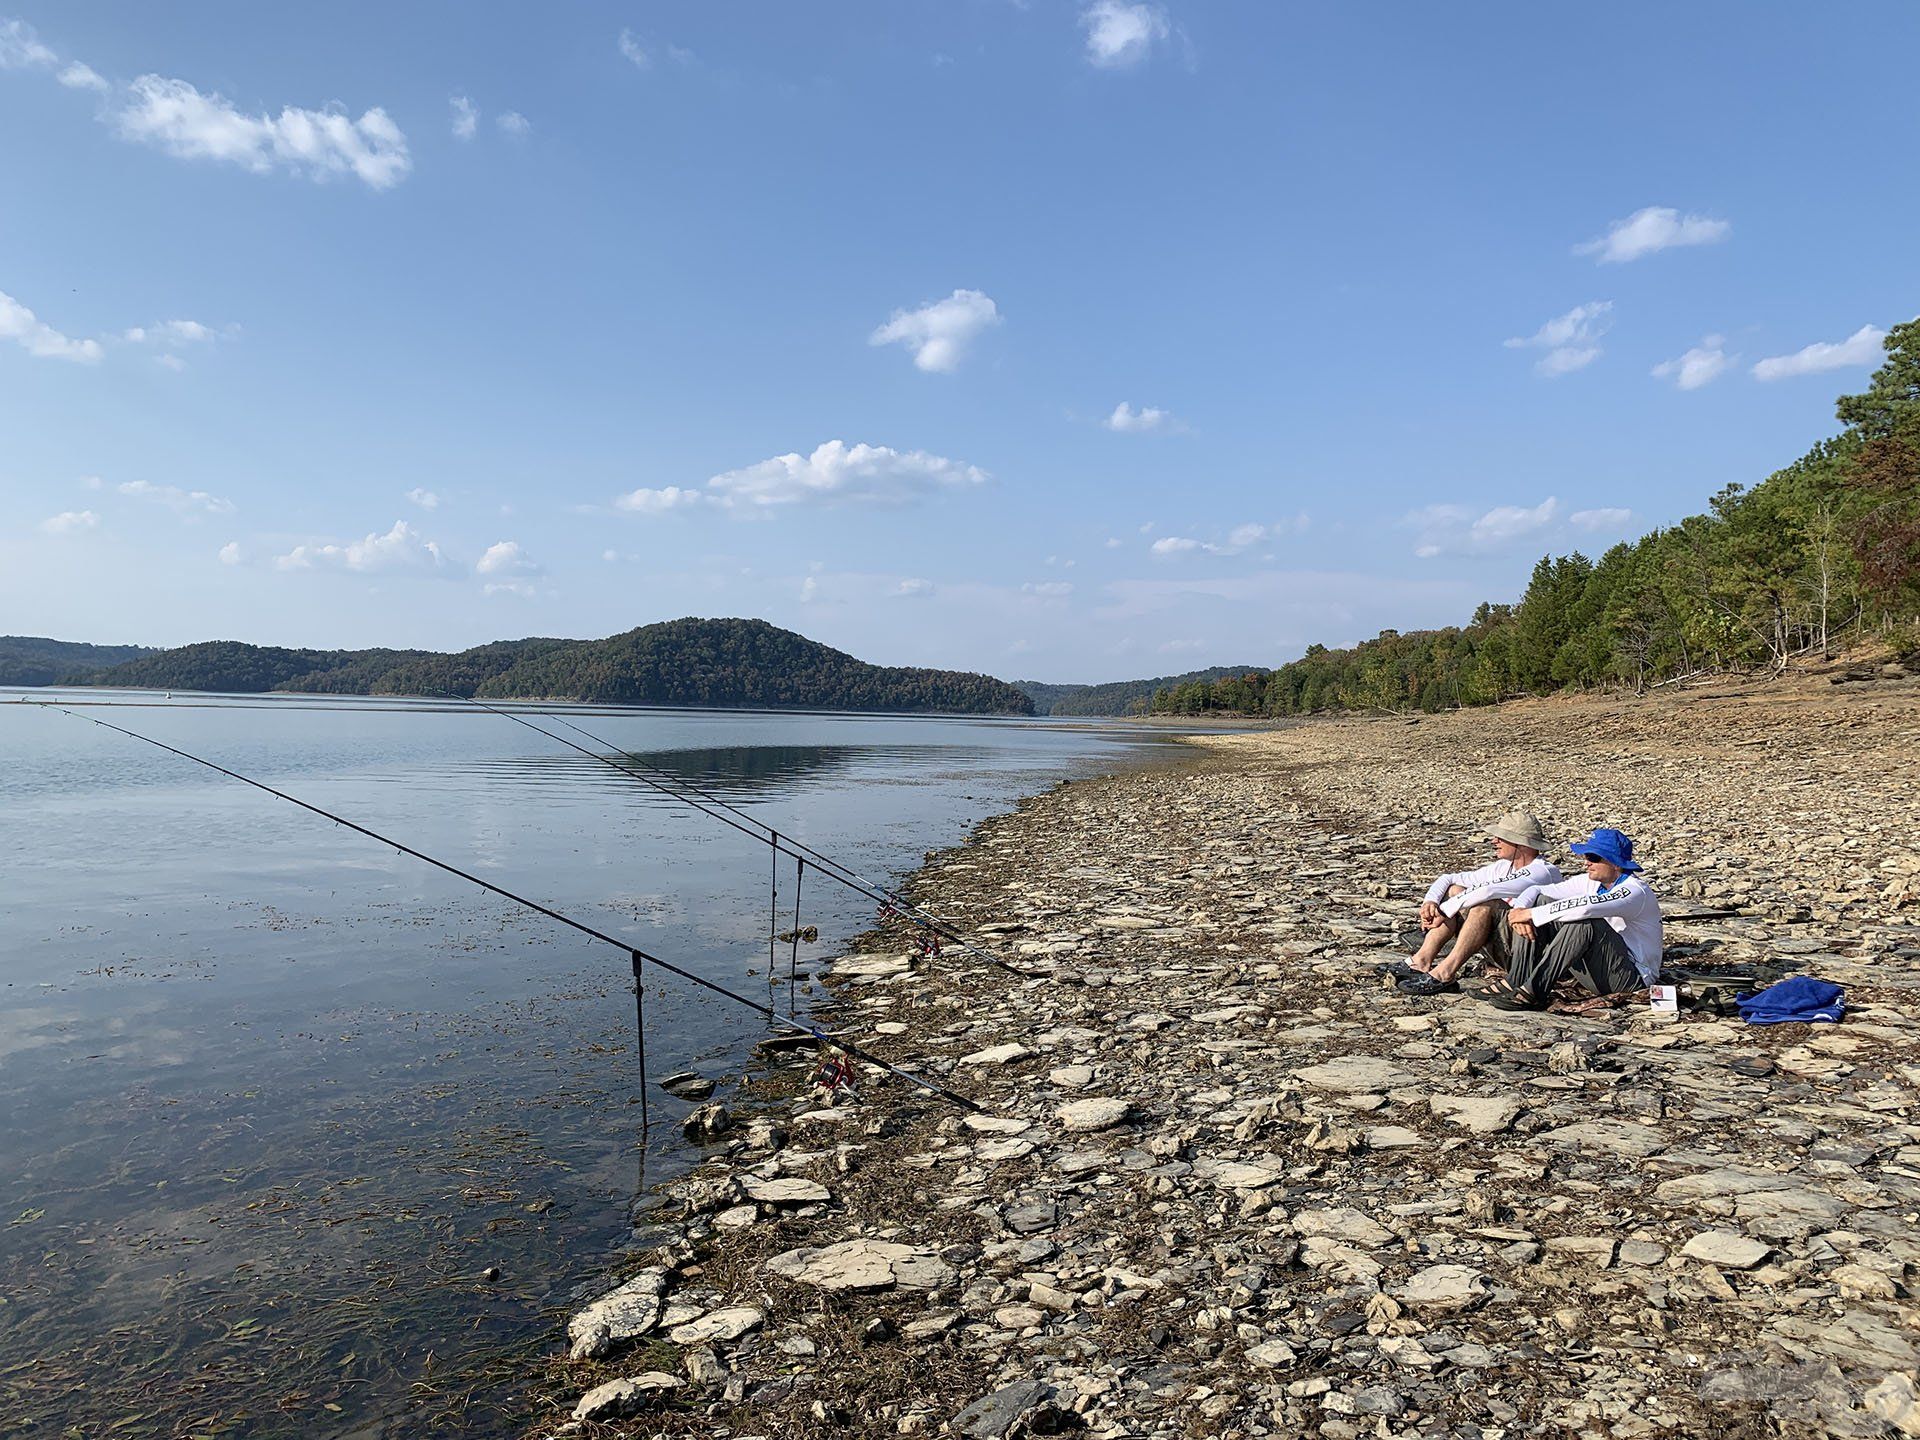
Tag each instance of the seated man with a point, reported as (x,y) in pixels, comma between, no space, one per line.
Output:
(1466,907)
(1604,930)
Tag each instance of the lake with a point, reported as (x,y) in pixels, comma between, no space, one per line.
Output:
(301,1136)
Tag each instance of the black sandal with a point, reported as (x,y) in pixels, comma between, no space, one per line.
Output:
(1425,983)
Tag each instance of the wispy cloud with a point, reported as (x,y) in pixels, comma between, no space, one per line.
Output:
(1122,33)
(20,48)
(1448,529)
(1570,340)
(425,499)
(512,123)
(402,550)
(1608,518)
(1048,589)
(78,76)
(36,337)
(667,498)
(631,47)
(70,522)
(1236,541)
(1864,347)
(939,332)
(838,473)
(174,116)
(1701,365)
(184,502)
(913,588)
(1653,229)
(465,117)
(1129,421)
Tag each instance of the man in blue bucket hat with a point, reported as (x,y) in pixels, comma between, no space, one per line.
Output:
(1602,929)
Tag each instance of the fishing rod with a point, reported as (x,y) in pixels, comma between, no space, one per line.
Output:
(634,952)
(679,788)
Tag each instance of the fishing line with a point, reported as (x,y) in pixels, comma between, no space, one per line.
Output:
(534,905)
(678,788)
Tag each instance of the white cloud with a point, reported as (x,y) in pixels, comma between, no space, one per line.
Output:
(68,522)
(177,118)
(839,473)
(20,48)
(83,77)
(631,47)
(1701,365)
(659,502)
(1455,530)
(508,569)
(1122,33)
(809,588)
(1650,230)
(400,550)
(1611,518)
(36,337)
(512,122)
(913,588)
(1568,339)
(1130,421)
(170,362)
(1239,539)
(169,336)
(425,499)
(231,554)
(1863,347)
(466,117)
(939,332)
(1114,542)
(174,498)
(1048,589)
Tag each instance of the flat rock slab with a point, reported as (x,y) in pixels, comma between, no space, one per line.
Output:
(787,1190)
(1394,1137)
(996,1124)
(718,1326)
(1003,1412)
(1779,1204)
(1341,1224)
(997,1055)
(1480,1114)
(1239,1174)
(1092,1114)
(871,967)
(1443,1287)
(862,1265)
(1271,1354)
(1357,1074)
(623,1314)
(624,1397)
(1728,1248)
(1616,1137)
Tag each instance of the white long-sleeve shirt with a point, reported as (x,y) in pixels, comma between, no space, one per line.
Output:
(1499,881)
(1627,905)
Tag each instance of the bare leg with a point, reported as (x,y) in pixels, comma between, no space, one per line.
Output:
(1475,930)
(1436,939)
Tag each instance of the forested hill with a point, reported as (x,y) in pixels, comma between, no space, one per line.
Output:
(746,663)
(1821,553)
(35,660)
(1116,697)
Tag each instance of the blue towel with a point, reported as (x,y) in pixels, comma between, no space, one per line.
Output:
(1798,997)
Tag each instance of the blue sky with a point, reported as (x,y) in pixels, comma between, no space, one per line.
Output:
(1076,341)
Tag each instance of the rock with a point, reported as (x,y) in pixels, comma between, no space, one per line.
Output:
(1609,1137)
(703,1367)
(1641,1252)
(1093,1114)
(787,1190)
(1863,1282)
(718,1326)
(1002,1413)
(1482,1115)
(1894,1400)
(1594,1250)
(930,1326)
(1356,1074)
(862,1265)
(687,1085)
(1394,1137)
(1778,1204)
(1271,1354)
(707,1122)
(623,1314)
(1341,1224)
(1049,1297)
(1443,1287)
(997,1055)
(624,1397)
(1727,1249)
(1071,1077)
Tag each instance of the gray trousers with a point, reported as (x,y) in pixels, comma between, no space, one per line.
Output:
(1591,951)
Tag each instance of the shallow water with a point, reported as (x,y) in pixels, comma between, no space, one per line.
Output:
(273,1096)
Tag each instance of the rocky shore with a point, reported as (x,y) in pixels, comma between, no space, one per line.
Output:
(1226,1181)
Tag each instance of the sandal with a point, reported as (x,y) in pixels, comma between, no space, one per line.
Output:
(1426,984)
(1511,1000)
(1398,970)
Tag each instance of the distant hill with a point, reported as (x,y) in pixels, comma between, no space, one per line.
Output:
(1117,697)
(35,660)
(745,663)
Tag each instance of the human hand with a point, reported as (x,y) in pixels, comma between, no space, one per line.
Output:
(1430,915)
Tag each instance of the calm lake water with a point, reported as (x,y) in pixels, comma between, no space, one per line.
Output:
(273,1096)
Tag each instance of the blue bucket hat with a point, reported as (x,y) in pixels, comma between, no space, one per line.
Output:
(1613,846)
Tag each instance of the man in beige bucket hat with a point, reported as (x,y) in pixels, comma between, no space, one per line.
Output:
(1465,907)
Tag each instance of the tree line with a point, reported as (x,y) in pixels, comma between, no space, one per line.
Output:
(1822,552)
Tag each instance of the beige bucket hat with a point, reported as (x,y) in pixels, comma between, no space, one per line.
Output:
(1517,827)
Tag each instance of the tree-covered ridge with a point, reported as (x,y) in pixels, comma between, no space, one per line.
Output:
(746,663)
(1116,697)
(1825,550)
(36,660)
